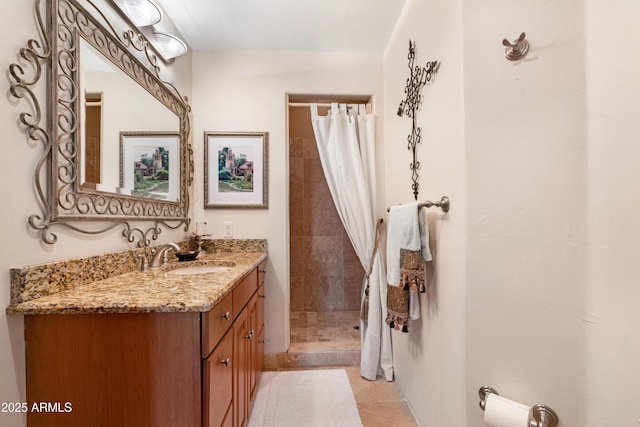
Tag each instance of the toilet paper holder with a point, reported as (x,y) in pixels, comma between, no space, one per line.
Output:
(539,415)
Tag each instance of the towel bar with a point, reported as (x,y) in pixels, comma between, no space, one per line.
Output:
(443,204)
(539,415)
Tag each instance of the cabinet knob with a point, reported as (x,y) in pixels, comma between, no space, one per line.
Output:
(226,362)
(262,296)
(264,341)
(226,316)
(263,270)
(250,334)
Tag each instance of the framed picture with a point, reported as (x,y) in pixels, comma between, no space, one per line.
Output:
(150,165)
(235,169)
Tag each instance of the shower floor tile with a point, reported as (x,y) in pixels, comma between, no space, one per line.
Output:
(317,331)
(319,339)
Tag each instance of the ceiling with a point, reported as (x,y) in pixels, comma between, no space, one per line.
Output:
(357,26)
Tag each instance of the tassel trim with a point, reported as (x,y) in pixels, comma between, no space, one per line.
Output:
(364,309)
(413,280)
(398,321)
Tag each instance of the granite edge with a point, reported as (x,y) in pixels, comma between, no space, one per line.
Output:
(32,282)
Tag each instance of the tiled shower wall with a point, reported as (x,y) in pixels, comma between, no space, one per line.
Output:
(326,274)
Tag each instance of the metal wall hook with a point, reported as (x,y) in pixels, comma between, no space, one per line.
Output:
(517,49)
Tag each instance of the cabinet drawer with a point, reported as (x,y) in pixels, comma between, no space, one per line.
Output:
(215,324)
(242,293)
(218,384)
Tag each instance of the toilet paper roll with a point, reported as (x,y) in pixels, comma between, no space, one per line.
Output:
(501,412)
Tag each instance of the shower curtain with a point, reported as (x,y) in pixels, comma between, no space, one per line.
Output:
(346,143)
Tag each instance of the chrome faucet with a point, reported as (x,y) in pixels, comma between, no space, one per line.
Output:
(160,255)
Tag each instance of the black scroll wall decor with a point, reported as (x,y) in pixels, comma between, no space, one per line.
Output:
(408,107)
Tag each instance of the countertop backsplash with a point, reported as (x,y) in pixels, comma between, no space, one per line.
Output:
(35,281)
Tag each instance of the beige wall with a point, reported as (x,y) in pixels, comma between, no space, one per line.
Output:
(548,289)
(612,316)
(429,360)
(526,194)
(246,91)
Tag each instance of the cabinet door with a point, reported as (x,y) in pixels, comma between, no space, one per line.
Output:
(240,370)
(252,336)
(218,384)
(124,369)
(260,342)
(262,270)
(260,309)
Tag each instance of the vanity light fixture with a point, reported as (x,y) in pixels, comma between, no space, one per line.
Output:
(150,20)
(142,13)
(168,45)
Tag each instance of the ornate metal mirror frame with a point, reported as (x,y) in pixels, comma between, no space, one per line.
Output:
(57,177)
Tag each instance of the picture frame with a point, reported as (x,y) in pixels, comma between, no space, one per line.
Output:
(236,170)
(150,165)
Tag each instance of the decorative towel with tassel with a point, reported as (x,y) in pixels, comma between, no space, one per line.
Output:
(407,252)
(413,278)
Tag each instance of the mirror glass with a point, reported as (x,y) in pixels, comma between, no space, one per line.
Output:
(130,139)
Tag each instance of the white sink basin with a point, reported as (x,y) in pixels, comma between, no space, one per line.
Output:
(200,269)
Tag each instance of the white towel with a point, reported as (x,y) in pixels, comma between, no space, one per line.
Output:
(424,234)
(408,229)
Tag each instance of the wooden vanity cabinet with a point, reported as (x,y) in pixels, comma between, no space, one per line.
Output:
(246,361)
(148,369)
(126,369)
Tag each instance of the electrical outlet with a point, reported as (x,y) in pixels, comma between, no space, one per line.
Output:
(228,230)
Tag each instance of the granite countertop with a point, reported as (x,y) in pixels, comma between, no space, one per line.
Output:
(150,291)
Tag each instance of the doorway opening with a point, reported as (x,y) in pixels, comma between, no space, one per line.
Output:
(325,273)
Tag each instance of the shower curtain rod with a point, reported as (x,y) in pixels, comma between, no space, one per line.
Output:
(322,104)
(368,109)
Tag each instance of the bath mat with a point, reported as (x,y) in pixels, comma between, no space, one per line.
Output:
(315,398)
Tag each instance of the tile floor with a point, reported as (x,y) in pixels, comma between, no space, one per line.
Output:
(379,402)
(331,330)
(324,339)
(319,339)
